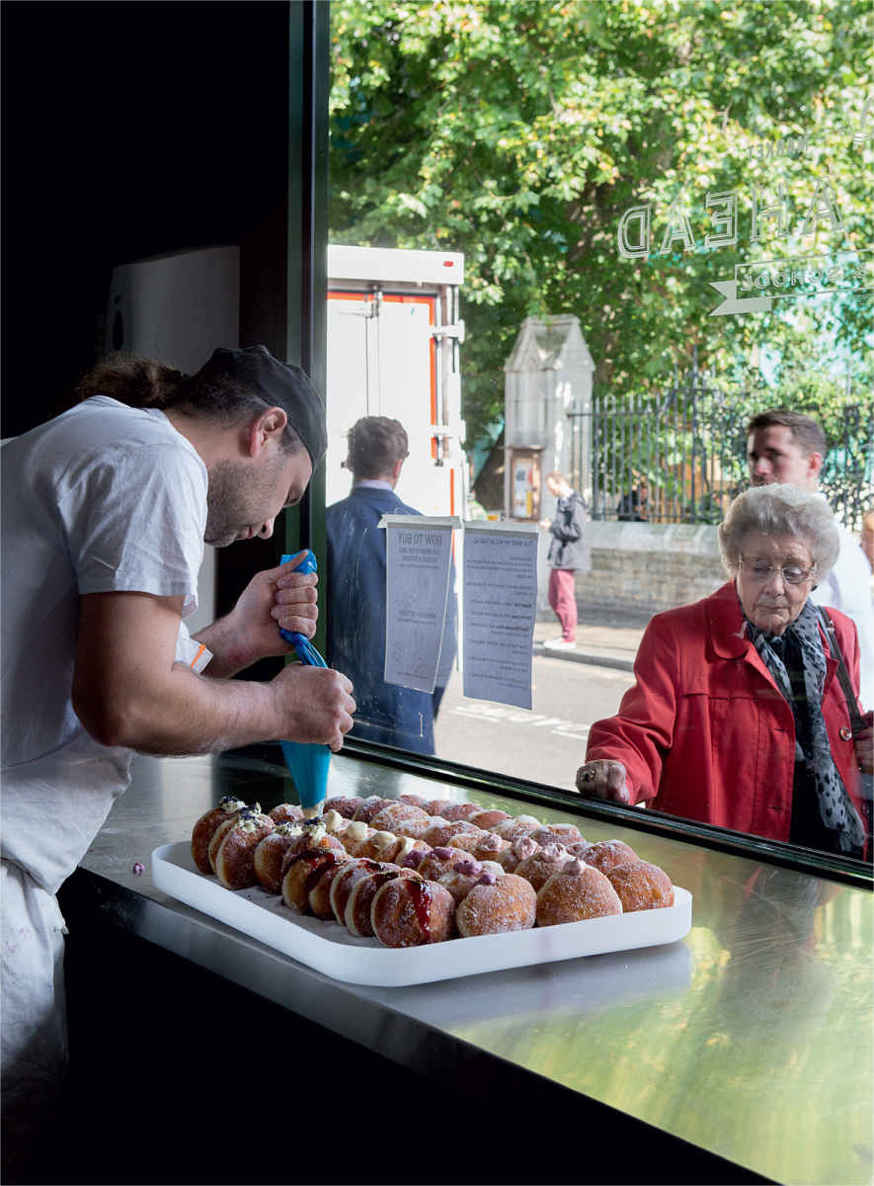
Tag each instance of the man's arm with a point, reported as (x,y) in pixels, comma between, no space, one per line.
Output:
(128,689)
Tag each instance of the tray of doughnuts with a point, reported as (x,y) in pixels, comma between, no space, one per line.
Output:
(392,892)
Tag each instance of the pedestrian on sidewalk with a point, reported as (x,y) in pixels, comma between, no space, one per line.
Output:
(568,555)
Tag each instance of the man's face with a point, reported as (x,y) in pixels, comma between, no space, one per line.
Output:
(774,455)
(244,497)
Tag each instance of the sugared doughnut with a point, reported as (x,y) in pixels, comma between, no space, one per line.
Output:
(303,872)
(641,886)
(342,885)
(414,828)
(343,804)
(516,827)
(367,808)
(436,862)
(358,905)
(435,807)
(461,876)
(443,830)
(380,846)
(488,819)
(558,834)
(576,892)
(540,866)
(496,905)
(312,835)
(491,848)
(467,841)
(408,913)
(205,828)
(462,811)
(388,818)
(270,854)
(416,800)
(319,900)
(520,850)
(283,813)
(235,855)
(408,845)
(609,853)
(579,849)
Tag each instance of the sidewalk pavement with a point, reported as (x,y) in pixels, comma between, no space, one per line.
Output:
(603,645)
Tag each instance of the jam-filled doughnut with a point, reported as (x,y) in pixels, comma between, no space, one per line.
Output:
(368,808)
(235,855)
(461,876)
(576,892)
(205,828)
(455,811)
(558,834)
(388,818)
(411,913)
(435,862)
(357,915)
(343,883)
(303,872)
(490,847)
(641,886)
(466,841)
(343,804)
(516,827)
(488,819)
(608,853)
(540,865)
(284,813)
(416,800)
(414,828)
(497,905)
(442,831)
(270,854)
(313,834)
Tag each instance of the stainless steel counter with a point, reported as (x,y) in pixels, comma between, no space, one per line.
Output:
(751,1039)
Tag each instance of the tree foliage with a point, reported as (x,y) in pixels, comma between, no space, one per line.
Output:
(519,131)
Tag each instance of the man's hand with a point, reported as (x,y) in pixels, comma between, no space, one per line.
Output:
(603,779)
(314,704)
(273,598)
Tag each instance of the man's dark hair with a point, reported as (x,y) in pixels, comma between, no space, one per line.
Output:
(376,444)
(145,383)
(806,433)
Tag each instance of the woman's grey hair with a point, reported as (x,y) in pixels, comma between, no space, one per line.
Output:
(780,510)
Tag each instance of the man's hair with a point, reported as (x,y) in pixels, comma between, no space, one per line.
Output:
(806,433)
(376,444)
(145,383)
(557,476)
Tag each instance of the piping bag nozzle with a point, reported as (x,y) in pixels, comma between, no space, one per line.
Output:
(307,764)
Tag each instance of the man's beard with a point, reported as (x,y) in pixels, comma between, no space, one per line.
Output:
(226,513)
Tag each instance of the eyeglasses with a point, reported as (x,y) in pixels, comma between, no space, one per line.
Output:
(792,574)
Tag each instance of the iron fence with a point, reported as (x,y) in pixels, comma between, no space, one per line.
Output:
(679,456)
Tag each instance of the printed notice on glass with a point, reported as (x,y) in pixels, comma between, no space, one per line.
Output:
(500,603)
(418,556)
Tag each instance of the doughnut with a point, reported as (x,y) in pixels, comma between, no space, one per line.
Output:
(461,811)
(641,886)
(343,883)
(436,806)
(334,823)
(608,853)
(415,829)
(491,848)
(416,800)
(367,808)
(443,829)
(388,818)
(270,853)
(303,872)
(497,905)
(408,845)
(466,841)
(343,805)
(235,855)
(488,819)
(540,866)
(408,913)
(461,876)
(312,835)
(558,834)
(579,849)
(380,846)
(516,827)
(435,863)
(204,830)
(355,832)
(519,850)
(319,901)
(360,900)
(578,891)
(283,812)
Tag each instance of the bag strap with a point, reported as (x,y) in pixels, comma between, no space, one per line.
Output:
(843,674)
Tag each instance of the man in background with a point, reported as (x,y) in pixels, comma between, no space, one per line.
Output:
(387,713)
(784,446)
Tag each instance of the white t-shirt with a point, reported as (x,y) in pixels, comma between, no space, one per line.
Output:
(104,498)
(848,588)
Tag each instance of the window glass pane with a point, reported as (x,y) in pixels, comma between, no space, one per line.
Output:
(650,225)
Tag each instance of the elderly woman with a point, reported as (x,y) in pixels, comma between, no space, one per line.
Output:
(737,717)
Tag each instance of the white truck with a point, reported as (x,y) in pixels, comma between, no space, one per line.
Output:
(394,337)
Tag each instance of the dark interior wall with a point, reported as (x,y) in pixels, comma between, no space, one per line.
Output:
(129,130)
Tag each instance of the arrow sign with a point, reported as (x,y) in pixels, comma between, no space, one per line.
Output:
(727,289)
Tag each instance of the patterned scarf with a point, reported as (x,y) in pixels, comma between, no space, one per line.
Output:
(836,809)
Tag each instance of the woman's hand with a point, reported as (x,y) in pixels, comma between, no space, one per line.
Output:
(603,779)
(864,744)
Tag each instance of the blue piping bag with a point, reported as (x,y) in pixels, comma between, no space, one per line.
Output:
(307,764)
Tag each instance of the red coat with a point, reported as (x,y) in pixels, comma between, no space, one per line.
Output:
(705,733)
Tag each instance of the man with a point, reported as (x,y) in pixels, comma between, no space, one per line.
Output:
(105,512)
(387,713)
(784,446)
(568,554)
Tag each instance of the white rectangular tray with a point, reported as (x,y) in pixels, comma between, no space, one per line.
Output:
(329,948)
